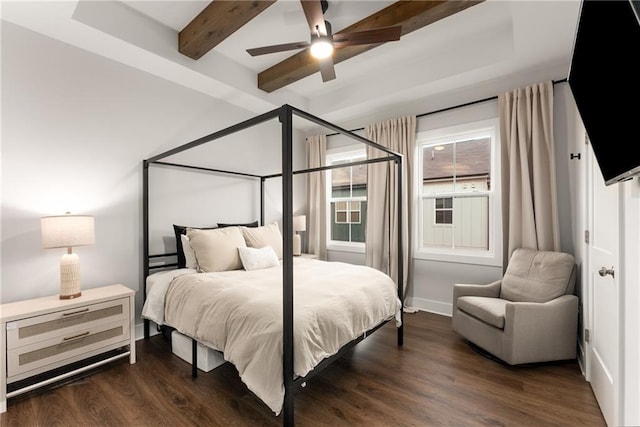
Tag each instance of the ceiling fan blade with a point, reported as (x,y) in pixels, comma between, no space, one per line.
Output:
(327,71)
(315,18)
(277,48)
(378,35)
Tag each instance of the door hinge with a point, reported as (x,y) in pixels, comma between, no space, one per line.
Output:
(586,236)
(586,335)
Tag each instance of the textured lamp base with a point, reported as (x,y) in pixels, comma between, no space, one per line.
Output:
(70,276)
(296,245)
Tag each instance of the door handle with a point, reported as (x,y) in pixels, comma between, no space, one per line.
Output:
(604,271)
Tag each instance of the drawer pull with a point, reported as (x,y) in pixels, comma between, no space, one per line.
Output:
(84,334)
(71,313)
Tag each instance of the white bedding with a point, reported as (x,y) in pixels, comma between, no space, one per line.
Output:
(240,313)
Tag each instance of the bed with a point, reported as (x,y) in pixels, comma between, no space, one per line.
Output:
(282,322)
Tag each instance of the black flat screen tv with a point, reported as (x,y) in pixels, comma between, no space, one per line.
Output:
(604,78)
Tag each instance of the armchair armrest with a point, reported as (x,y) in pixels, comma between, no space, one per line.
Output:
(554,323)
(491,290)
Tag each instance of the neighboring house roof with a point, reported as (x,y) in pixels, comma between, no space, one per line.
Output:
(340,177)
(472,158)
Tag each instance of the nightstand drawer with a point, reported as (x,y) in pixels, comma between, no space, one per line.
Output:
(64,323)
(42,355)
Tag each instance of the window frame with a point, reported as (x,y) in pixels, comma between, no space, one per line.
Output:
(336,155)
(492,256)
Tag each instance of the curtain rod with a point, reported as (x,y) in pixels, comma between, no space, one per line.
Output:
(442,110)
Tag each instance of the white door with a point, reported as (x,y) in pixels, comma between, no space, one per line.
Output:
(602,276)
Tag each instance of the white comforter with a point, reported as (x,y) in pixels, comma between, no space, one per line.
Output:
(240,313)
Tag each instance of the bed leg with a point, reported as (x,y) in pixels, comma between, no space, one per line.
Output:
(287,411)
(194,358)
(400,335)
(145,326)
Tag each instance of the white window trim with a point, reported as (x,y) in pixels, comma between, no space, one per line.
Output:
(492,257)
(337,154)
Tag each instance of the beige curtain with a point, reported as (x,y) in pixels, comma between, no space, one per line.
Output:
(529,203)
(398,135)
(317,196)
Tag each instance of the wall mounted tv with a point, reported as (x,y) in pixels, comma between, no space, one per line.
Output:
(605,82)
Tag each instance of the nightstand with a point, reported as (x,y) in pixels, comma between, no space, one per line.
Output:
(45,340)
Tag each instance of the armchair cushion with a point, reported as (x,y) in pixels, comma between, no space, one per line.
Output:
(489,310)
(537,276)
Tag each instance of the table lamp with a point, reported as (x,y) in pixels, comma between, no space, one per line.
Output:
(66,231)
(299,224)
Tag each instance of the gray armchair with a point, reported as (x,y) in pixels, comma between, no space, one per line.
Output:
(530,315)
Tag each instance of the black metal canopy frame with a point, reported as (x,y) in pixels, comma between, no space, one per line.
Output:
(285,115)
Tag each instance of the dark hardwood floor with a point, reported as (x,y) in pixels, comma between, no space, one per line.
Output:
(436,379)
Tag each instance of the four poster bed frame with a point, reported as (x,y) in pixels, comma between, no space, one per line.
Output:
(285,115)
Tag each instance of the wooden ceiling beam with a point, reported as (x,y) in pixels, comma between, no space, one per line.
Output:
(216,22)
(411,14)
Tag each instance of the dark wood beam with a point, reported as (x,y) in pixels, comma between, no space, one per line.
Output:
(411,14)
(216,22)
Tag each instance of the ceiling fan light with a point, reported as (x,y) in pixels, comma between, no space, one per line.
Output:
(321,48)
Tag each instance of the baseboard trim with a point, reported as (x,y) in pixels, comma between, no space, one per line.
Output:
(431,306)
(140,330)
(582,360)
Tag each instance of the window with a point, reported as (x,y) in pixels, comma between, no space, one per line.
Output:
(457,208)
(347,212)
(443,213)
(347,198)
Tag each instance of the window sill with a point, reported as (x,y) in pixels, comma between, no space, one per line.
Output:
(357,248)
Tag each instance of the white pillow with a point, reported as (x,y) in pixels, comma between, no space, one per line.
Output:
(189,254)
(258,258)
(217,249)
(268,235)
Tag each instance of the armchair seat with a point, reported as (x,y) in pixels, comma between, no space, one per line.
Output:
(530,315)
(489,310)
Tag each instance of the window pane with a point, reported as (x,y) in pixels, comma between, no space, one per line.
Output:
(358,229)
(471,227)
(339,231)
(434,235)
(359,180)
(340,181)
(348,216)
(460,166)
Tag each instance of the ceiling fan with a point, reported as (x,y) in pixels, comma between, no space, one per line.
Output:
(323,41)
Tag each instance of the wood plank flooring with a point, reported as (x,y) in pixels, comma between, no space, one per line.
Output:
(436,379)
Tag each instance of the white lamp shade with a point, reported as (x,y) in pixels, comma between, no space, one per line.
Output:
(65,231)
(299,223)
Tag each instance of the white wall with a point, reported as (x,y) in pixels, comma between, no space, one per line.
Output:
(75,129)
